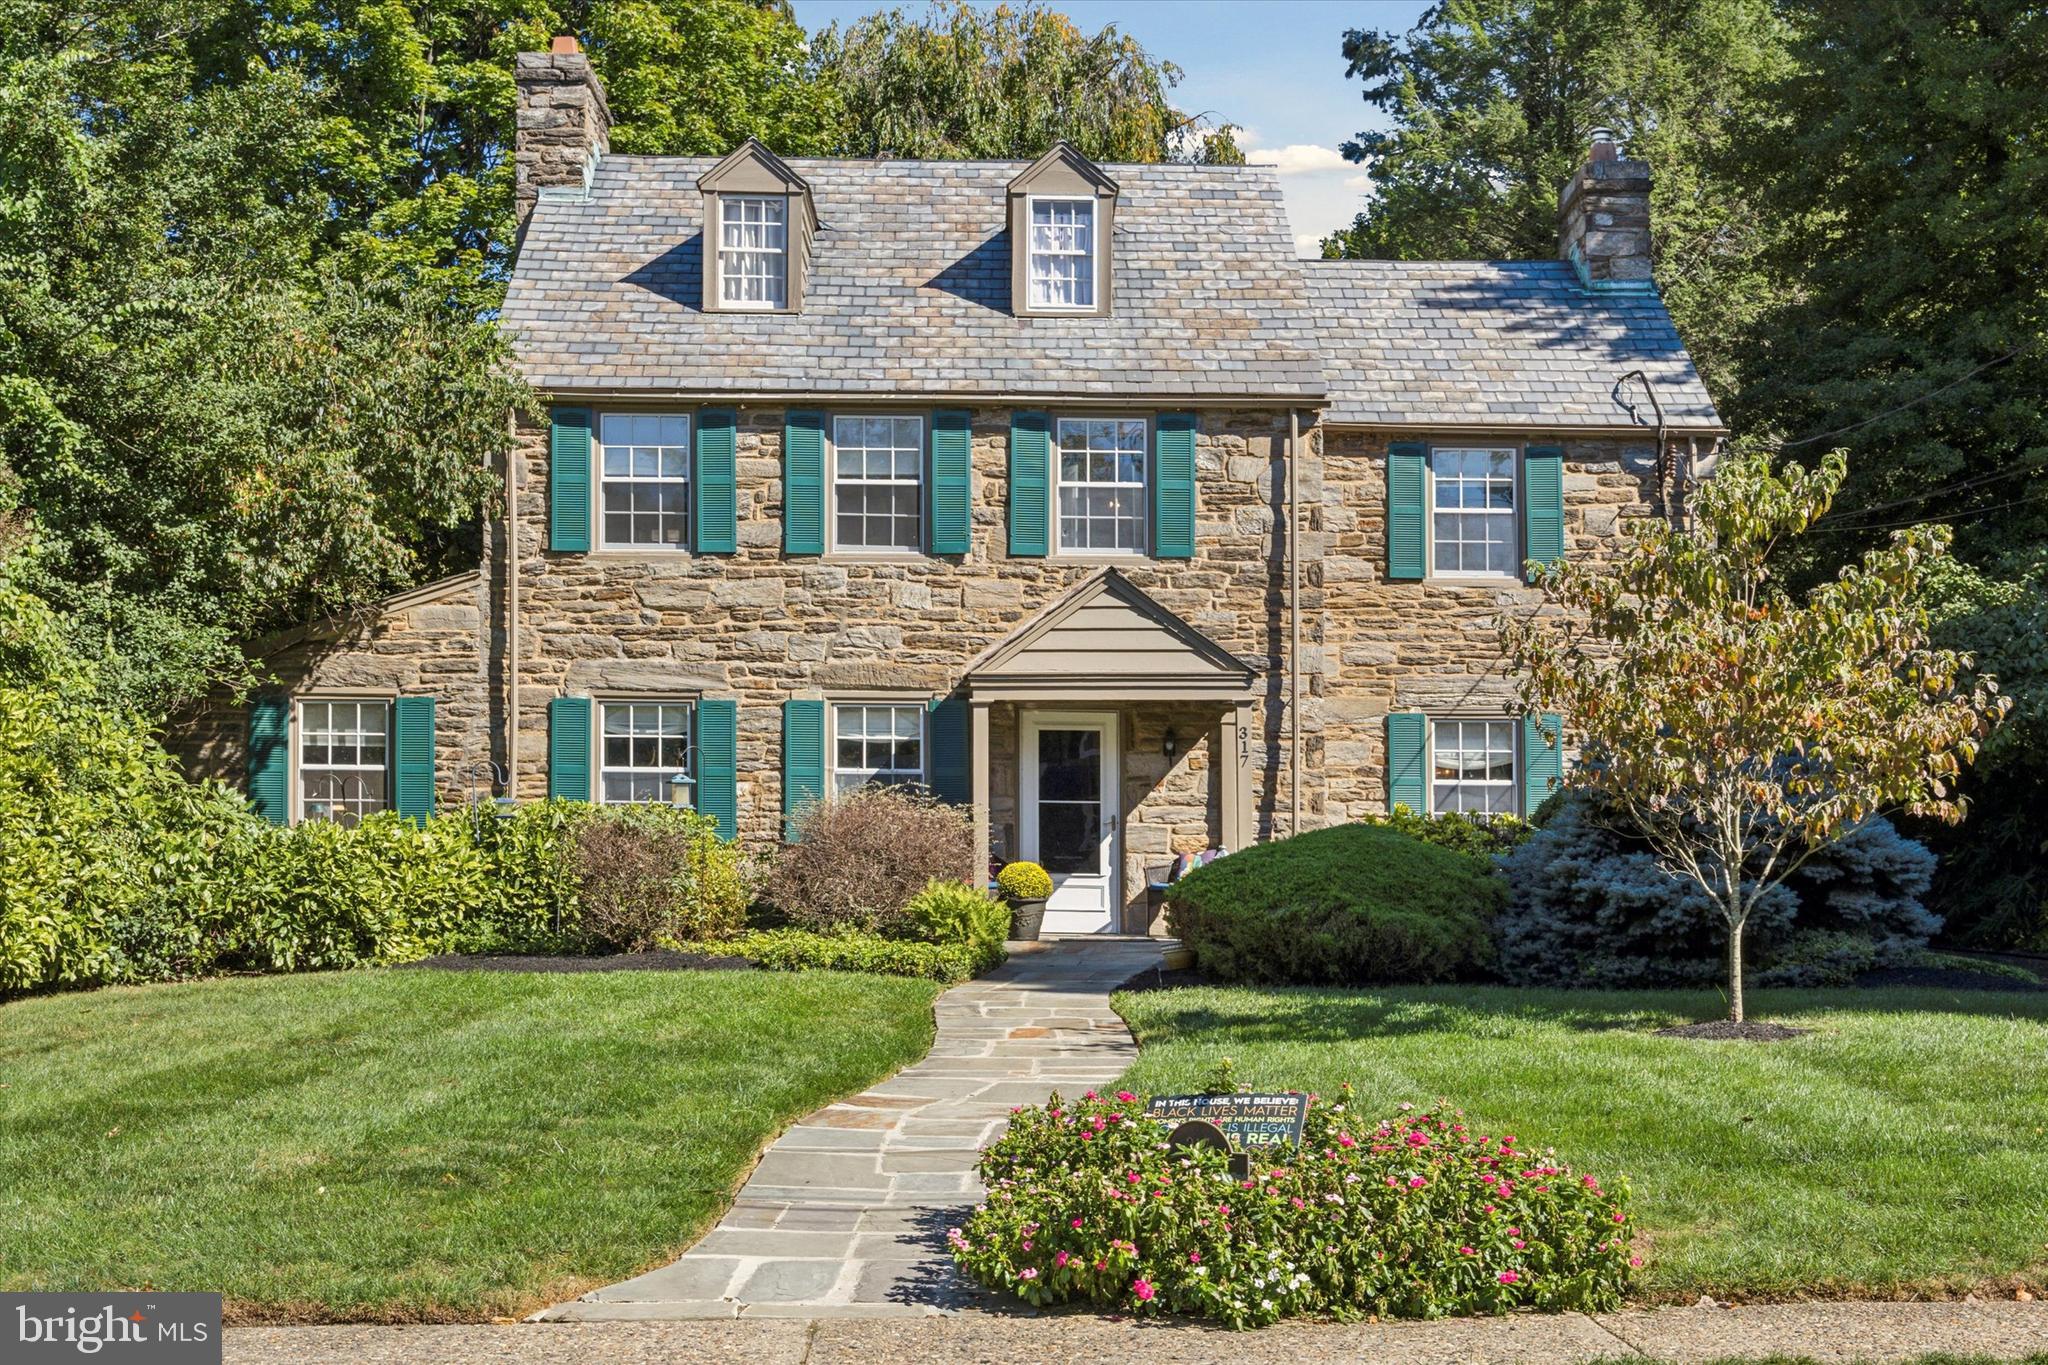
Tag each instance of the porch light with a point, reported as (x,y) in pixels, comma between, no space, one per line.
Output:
(1169,744)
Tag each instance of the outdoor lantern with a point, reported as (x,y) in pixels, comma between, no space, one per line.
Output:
(1169,744)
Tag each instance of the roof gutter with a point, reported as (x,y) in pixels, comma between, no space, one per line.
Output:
(1519,428)
(1120,402)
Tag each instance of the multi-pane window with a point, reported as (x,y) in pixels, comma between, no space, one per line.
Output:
(644,469)
(1473,766)
(878,483)
(1102,484)
(344,749)
(644,752)
(1062,257)
(874,742)
(1474,509)
(753,250)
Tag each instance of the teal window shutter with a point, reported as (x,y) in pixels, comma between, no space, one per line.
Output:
(1543,503)
(270,758)
(1173,487)
(803,483)
(412,729)
(1030,484)
(569,748)
(947,764)
(951,482)
(803,760)
(1408,761)
(715,498)
(718,764)
(569,480)
(1407,511)
(1542,760)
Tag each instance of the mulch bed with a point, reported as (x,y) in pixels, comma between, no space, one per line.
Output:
(661,961)
(1947,979)
(1727,1030)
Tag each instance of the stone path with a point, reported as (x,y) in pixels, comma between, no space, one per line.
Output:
(846,1215)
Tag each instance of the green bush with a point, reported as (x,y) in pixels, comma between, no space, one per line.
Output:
(954,912)
(1336,906)
(646,873)
(802,950)
(1483,837)
(1024,881)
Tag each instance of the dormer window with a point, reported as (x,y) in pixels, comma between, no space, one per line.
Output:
(753,251)
(759,222)
(1062,231)
(1062,253)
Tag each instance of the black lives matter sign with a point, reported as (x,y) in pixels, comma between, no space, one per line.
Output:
(114,1329)
(1250,1122)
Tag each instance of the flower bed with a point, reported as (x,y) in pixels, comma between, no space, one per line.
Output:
(1410,1216)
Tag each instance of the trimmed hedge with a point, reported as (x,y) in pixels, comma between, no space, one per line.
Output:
(802,950)
(1338,906)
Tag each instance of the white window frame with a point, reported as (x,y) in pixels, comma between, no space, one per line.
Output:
(1094,253)
(833,768)
(1514,515)
(832,481)
(599,768)
(1515,763)
(728,255)
(299,767)
(1143,549)
(599,481)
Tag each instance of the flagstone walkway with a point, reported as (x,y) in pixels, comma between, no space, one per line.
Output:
(846,1215)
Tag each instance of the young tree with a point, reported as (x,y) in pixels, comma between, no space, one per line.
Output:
(1737,728)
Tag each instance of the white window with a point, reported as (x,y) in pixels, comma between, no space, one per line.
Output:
(1101,463)
(753,250)
(1062,253)
(644,752)
(644,470)
(878,483)
(1473,530)
(344,763)
(877,742)
(1473,767)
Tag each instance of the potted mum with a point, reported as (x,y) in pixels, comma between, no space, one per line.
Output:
(1025,886)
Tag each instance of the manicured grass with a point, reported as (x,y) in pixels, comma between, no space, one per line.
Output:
(413,1144)
(1903,1146)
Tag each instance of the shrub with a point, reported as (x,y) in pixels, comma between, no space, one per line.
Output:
(859,858)
(1589,906)
(1022,881)
(1483,837)
(655,872)
(954,912)
(801,950)
(1347,904)
(1413,1216)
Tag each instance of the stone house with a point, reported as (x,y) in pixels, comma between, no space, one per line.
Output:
(1064,490)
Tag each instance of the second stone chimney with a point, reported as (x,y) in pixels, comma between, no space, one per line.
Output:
(564,122)
(1603,218)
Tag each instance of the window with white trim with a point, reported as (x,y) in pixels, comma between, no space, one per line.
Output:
(1472,766)
(1473,528)
(877,743)
(644,752)
(1101,464)
(878,483)
(753,250)
(1062,253)
(643,462)
(344,759)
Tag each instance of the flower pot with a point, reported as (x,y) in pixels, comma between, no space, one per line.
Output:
(1025,919)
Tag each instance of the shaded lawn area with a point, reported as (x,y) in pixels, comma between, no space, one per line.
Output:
(1902,1146)
(411,1145)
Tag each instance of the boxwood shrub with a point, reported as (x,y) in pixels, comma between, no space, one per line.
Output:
(1347,904)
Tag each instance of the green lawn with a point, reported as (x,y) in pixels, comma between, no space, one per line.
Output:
(1902,1146)
(416,1144)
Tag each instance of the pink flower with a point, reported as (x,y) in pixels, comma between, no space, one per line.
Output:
(1131,1177)
(1142,1287)
(1296,1201)
(1076,1223)
(1489,1208)
(1517,1243)
(1030,1273)
(1467,1251)
(1194,1258)
(1635,1260)
(1125,1097)
(1416,1182)
(1089,1095)
(1508,1277)
(1620,1217)
(1027,1244)
(1514,1232)
(1061,1260)
(1346,1140)
(1393,1183)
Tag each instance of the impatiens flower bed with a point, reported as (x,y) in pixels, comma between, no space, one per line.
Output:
(1414,1215)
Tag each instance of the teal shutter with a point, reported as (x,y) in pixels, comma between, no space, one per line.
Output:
(1408,761)
(569,480)
(1542,760)
(947,766)
(803,760)
(715,499)
(1173,487)
(1543,503)
(951,482)
(1407,511)
(270,758)
(718,764)
(412,730)
(569,748)
(803,483)
(1030,484)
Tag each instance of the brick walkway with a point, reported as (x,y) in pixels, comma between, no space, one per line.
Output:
(847,1213)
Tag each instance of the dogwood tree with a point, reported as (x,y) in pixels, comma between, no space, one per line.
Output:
(1739,728)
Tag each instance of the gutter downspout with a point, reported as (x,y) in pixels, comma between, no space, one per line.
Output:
(1294,617)
(512,618)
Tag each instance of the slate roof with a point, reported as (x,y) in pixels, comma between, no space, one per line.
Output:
(1494,343)
(909,291)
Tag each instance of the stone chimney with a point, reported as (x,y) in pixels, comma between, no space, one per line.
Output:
(1603,218)
(564,122)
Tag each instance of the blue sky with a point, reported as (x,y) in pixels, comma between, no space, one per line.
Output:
(1274,67)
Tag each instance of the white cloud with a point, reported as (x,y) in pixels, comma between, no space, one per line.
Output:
(1300,158)
(1358,182)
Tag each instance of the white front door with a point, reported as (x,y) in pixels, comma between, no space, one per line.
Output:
(1070,816)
